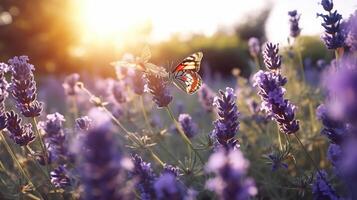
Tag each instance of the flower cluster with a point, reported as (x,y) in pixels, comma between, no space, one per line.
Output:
(321,189)
(59,177)
(84,123)
(138,82)
(168,187)
(146,177)
(23,86)
(157,86)
(271,57)
(230,181)
(3,95)
(254,46)
(22,135)
(227,124)
(294,23)
(334,36)
(351,37)
(205,97)
(189,127)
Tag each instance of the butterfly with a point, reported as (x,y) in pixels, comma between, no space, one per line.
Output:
(185,75)
(142,63)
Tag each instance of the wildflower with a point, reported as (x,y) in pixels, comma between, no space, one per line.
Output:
(254,46)
(54,135)
(157,86)
(168,187)
(143,171)
(271,57)
(321,190)
(84,123)
(70,84)
(227,124)
(351,26)
(118,92)
(230,181)
(23,86)
(101,166)
(138,82)
(206,96)
(21,135)
(188,126)
(276,161)
(172,170)
(59,177)
(334,154)
(294,23)
(333,37)
(272,94)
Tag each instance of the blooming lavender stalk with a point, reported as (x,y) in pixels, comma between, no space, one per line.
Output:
(172,170)
(157,86)
(294,23)
(23,86)
(138,82)
(168,187)
(272,94)
(189,127)
(84,123)
(102,172)
(230,180)
(143,171)
(227,124)
(69,84)
(254,46)
(351,26)
(206,96)
(54,136)
(321,189)
(22,135)
(59,177)
(3,95)
(272,59)
(334,36)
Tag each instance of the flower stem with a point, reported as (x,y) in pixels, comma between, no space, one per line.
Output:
(43,147)
(145,114)
(182,134)
(279,138)
(13,156)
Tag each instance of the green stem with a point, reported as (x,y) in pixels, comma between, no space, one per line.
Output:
(279,138)
(43,147)
(145,114)
(14,157)
(182,134)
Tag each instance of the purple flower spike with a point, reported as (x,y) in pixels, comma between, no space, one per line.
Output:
(138,82)
(187,124)
(59,177)
(294,23)
(69,84)
(327,5)
(351,38)
(168,187)
(143,171)
(230,181)
(157,86)
(206,96)
(322,190)
(172,170)
(254,46)
(271,57)
(22,135)
(23,86)
(227,124)
(272,94)
(84,123)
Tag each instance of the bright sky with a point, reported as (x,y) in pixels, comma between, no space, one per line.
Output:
(108,18)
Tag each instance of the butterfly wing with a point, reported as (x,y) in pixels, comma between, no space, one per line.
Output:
(185,74)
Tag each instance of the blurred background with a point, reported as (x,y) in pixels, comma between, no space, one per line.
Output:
(63,36)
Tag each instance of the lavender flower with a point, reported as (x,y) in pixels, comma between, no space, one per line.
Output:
(321,189)
(230,180)
(101,166)
(138,82)
(272,94)
(334,155)
(333,37)
(157,86)
(254,46)
(351,26)
(206,96)
(118,92)
(21,135)
(84,123)
(227,124)
(187,124)
(271,57)
(59,177)
(294,23)
(69,84)
(23,86)
(172,170)
(54,135)
(168,187)
(143,171)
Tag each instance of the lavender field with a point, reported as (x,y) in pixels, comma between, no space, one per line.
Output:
(109,114)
